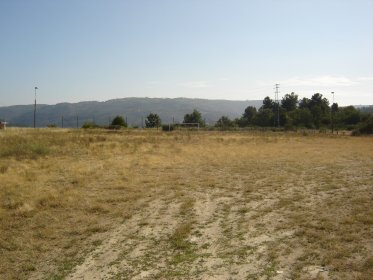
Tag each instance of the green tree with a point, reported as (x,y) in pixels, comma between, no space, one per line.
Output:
(268,103)
(317,100)
(267,115)
(248,117)
(153,120)
(304,103)
(289,102)
(302,117)
(264,117)
(119,121)
(335,108)
(250,114)
(224,122)
(349,115)
(365,127)
(319,108)
(194,117)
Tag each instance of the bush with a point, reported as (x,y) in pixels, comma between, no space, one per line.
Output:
(194,117)
(90,125)
(119,121)
(114,127)
(153,120)
(168,127)
(225,123)
(365,127)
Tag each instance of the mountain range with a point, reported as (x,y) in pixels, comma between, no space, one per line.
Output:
(134,110)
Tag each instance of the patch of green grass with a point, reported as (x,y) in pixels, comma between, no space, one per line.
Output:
(178,239)
(65,268)
(186,206)
(270,270)
(188,255)
(23,148)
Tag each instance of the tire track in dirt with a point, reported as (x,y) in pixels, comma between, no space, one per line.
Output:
(126,248)
(216,223)
(225,237)
(230,244)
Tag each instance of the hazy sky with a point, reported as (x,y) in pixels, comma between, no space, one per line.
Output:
(76,50)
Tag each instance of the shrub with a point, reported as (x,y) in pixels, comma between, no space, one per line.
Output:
(153,120)
(168,127)
(119,121)
(114,127)
(194,117)
(90,125)
(225,123)
(365,127)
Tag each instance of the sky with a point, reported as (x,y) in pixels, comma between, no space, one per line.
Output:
(81,50)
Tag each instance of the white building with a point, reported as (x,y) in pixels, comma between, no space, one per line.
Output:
(3,125)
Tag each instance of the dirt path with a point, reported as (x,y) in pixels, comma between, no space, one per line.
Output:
(201,233)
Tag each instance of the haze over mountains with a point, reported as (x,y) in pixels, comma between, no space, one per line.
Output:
(134,109)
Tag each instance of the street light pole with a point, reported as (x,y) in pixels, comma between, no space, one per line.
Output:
(35,108)
(332,109)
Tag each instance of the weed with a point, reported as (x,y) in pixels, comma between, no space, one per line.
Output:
(3,169)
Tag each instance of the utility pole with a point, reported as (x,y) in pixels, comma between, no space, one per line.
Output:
(277,86)
(35,108)
(62,121)
(77,121)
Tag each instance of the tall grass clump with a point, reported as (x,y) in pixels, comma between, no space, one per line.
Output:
(22,148)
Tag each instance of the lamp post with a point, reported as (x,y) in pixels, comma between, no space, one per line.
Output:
(35,108)
(332,109)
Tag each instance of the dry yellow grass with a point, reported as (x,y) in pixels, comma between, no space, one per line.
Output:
(186,205)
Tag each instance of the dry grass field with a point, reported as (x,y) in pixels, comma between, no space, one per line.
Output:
(138,204)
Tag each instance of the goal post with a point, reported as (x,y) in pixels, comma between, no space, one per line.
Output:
(182,126)
(188,125)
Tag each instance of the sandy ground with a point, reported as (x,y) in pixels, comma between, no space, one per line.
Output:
(227,240)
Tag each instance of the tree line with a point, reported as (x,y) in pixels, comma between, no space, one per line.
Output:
(153,121)
(290,113)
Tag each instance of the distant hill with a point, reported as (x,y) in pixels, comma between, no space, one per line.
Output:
(134,109)
(365,108)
